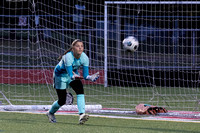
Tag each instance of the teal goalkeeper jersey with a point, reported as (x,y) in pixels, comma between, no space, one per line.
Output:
(69,63)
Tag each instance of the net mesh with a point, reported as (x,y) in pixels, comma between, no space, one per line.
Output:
(163,71)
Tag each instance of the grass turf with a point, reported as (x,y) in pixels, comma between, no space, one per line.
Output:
(109,97)
(38,123)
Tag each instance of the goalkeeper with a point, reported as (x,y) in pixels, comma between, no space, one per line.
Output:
(66,74)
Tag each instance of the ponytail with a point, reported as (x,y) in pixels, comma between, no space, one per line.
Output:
(60,57)
(68,50)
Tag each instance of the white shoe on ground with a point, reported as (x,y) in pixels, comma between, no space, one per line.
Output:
(51,117)
(83,118)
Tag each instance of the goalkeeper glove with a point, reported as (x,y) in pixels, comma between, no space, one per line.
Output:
(93,77)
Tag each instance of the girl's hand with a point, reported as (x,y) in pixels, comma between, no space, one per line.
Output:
(76,76)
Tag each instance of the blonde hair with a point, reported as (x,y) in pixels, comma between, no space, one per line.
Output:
(73,43)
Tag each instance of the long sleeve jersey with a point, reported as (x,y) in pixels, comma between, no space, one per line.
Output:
(69,63)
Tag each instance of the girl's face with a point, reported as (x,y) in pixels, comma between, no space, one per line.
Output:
(78,48)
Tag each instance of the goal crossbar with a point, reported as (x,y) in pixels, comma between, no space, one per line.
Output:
(152,2)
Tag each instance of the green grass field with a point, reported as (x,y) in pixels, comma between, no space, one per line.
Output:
(38,123)
(109,97)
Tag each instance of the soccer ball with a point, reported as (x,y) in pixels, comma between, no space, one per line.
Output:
(130,44)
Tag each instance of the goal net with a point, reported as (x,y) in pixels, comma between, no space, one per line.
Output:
(163,71)
(34,33)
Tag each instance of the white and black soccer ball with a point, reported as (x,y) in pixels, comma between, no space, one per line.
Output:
(130,44)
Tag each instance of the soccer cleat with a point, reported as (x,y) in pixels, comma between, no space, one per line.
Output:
(51,117)
(83,118)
